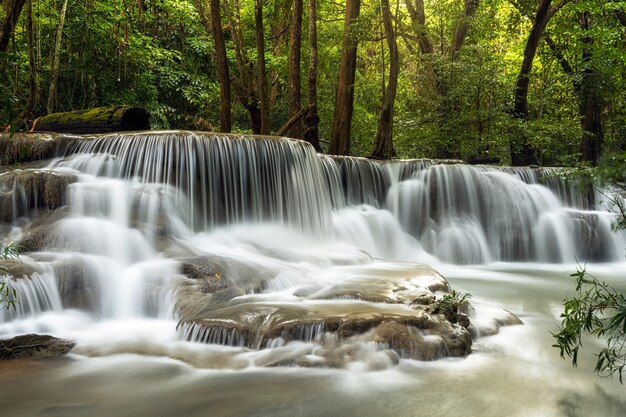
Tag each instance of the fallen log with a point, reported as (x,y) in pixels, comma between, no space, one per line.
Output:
(96,120)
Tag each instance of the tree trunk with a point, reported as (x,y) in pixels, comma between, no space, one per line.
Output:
(266,127)
(293,82)
(13,9)
(97,120)
(223,72)
(54,68)
(590,101)
(311,119)
(418,18)
(344,94)
(33,84)
(244,81)
(521,151)
(462,27)
(383,146)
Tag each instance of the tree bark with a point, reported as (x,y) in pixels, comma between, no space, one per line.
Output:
(383,145)
(418,18)
(462,27)
(244,81)
(590,100)
(311,119)
(54,68)
(13,9)
(344,94)
(293,77)
(211,19)
(521,151)
(97,120)
(261,71)
(223,72)
(33,84)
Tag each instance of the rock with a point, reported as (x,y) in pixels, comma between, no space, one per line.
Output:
(214,280)
(39,233)
(77,288)
(22,191)
(463,320)
(412,333)
(19,268)
(34,346)
(424,299)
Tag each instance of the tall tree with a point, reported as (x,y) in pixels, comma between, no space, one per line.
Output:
(418,19)
(212,21)
(12,11)
(244,80)
(311,119)
(293,76)
(264,99)
(462,27)
(590,100)
(383,144)
(33,83)
(56,59)
(522,152)
(344,93)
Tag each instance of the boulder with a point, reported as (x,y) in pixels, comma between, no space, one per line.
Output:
(37,235)
(215,280)
(34,346)
(391,307)
(77,288)
(22,191)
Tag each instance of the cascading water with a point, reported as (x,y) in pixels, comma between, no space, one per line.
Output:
(242,253)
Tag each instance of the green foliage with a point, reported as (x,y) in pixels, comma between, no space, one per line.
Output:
(8,293)
(598,309)
(451,302)
(156,54)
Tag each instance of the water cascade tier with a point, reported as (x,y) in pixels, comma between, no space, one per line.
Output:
(157,242)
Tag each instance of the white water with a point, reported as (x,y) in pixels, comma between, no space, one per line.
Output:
(273,208)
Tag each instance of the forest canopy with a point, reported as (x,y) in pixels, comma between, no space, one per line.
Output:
(510,81)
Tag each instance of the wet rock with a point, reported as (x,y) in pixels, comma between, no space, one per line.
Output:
(411,284)
(424,299)
(214,280)
(594,245)
(23,191)
(412,333)
(26,147)
(77,288)
(19,268)
(463,320)
(34,346)
(38,234)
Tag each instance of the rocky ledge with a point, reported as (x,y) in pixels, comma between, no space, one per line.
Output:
(34,346)
(404,311)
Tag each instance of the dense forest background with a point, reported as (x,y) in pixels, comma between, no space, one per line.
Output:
(514,81)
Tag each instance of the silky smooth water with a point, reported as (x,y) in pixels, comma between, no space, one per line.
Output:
(311,224)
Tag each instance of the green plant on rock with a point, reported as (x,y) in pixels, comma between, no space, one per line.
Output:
(8,293)
(598,309)
(450,302)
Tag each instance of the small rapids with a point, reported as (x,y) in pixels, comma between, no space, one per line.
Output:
(250,276)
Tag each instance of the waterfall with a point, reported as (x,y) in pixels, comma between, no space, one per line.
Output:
(221,179)
(166,182)
(162,253)
(166,225)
